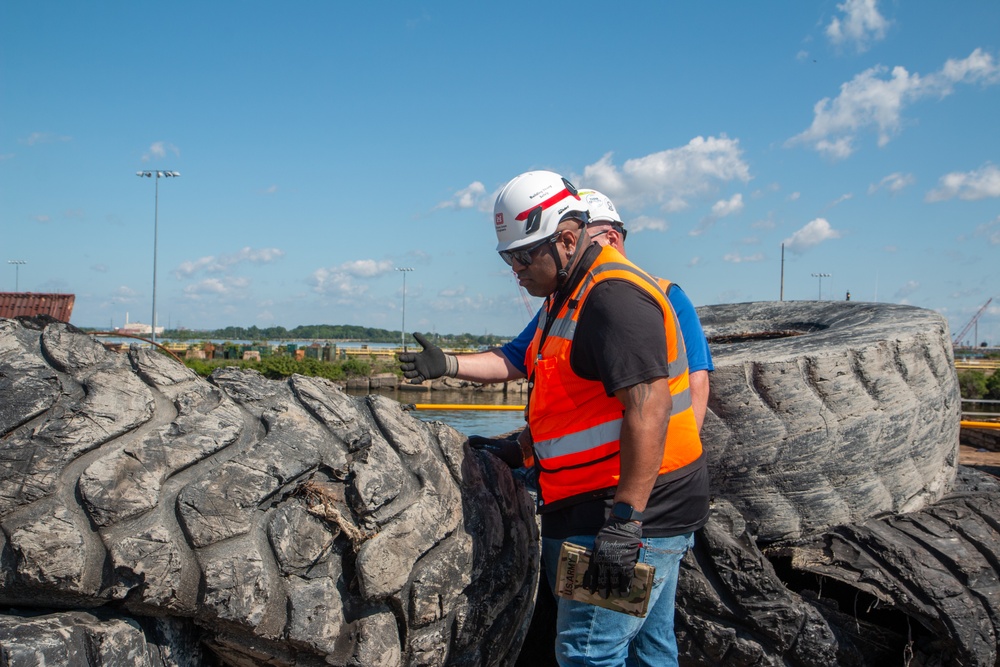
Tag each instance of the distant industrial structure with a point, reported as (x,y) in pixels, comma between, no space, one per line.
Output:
(137,328)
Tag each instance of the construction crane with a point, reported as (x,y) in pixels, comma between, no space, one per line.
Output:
(957,340)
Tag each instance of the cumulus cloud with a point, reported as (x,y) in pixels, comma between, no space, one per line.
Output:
(221,286)
(815,232)
(972,185)
(989,231)
(472,196)
(736,258)
(670,178)
(344,281)
(720,209)
(644,222)
(36,138)
(221,263)
(875,99)
(861,25)
(160,149)
(907,289)
(894,183)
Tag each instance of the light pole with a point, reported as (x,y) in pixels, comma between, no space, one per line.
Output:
(402,330)
(820,276)
(18,263)
(156,225)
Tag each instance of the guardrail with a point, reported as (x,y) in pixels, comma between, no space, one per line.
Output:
(977,364)
(981,420)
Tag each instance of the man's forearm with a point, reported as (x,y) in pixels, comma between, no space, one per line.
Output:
(698,382)
(486,367)
(643,433)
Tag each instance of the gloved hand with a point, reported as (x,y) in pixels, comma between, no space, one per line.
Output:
(616,551)
(428,364)
(507,451)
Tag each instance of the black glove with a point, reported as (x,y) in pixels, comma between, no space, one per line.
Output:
(507,451)
(428,364)
(616,551)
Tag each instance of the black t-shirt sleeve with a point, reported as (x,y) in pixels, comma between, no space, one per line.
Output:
(619,338)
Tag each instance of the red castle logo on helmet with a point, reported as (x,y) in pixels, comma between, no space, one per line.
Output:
(498,219)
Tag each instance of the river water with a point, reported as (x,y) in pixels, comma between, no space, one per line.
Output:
(469,422)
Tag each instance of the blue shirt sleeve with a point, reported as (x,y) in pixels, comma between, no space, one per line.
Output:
(699,356)
(517,348)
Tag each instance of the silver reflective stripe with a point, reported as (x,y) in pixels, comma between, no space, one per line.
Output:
(681,402)
(563,327)
(581,441)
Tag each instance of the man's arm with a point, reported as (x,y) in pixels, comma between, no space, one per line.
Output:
(643,433)
(699,395)
(486,367)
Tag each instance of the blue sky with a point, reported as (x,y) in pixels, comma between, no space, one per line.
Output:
(324,144)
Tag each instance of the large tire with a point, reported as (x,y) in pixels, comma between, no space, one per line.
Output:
(288,522)
(828,413)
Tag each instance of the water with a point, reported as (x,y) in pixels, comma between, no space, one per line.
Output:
(469,422)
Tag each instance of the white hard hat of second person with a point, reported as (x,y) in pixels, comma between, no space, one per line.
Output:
(600,207)
(531,206)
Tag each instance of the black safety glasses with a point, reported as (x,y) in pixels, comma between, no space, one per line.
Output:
(524,256)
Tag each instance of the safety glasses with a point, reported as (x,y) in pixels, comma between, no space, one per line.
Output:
(524,256)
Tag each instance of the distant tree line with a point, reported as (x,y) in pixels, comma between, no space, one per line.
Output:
(342,332)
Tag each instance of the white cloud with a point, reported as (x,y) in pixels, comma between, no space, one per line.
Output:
(222,286)
(270,190)
(44,138)
(124,294)
(907,289)
(694,261)
(814,233)
(672,177)
(875,100)
(41,218)
(894,183)
(731,206)
(472,196)
(736,258)
(861,25)
(159,149)
(763,224)
(644,222)
(794,196)
(972,185)
(841,199)
(720,209)
(990,231)
(99,268)
(221,263)
(342,281)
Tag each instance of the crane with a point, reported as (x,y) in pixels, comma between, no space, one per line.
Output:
(958,339)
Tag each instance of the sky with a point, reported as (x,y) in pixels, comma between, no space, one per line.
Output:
(324,145)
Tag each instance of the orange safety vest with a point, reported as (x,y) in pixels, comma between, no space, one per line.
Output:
(575,425)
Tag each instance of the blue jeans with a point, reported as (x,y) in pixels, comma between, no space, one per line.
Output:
(591,635)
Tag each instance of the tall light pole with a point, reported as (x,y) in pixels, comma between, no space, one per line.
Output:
(18,263)
(156,226)
(820,276)
(402,330)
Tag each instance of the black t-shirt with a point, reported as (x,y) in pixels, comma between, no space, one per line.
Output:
(619,341)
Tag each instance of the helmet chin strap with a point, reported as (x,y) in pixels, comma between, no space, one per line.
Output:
(562,273)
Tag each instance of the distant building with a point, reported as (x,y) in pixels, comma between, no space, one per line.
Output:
(137,328)
(31,304)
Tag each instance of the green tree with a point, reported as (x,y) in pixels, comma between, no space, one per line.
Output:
(972,384)
(993,386)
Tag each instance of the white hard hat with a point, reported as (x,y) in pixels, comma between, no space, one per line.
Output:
(531,206)
(600,207)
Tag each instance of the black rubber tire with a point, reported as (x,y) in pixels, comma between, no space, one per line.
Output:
(829,413)
(293,524)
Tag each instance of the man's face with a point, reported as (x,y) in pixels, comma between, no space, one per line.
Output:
(540,277)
